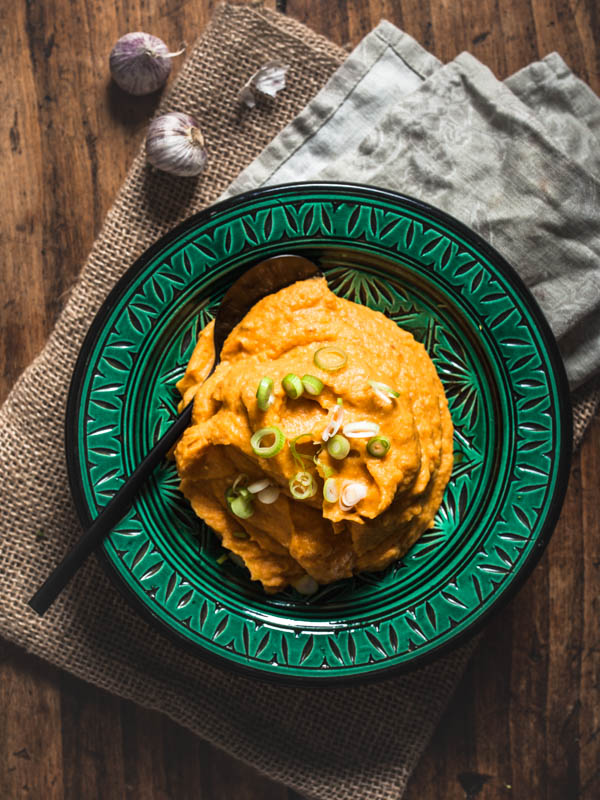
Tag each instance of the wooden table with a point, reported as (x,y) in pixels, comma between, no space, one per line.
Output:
(525,721)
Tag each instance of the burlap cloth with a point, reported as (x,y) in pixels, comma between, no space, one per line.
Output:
(327,743)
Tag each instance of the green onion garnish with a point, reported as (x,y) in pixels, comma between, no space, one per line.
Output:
(264,393)
(222,558)
(244,493)
(292,385)
(267,451)
(330,490)
(330,358)
(241,507)
(312,385)
(384,391)
(303,486)
(338,447)
(324,470)
(298,457)
(378,446)
(240,535)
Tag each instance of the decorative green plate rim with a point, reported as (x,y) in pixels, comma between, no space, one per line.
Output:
(302,641)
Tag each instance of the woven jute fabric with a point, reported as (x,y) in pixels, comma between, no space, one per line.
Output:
(326,743)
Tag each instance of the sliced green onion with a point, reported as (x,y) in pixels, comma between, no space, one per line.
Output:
(312,385)
(230,494)
(335,420)
(330,358)
(257,486)
(244,493)
(239,481)
(383,391)
(241,507)
(240,535)
(361,430)
(330,490)
(264,393)
(292,385)
(378,446)
(267,451)
(324,469)
(298,457)
(222,558)
(269,495)
(303,486)
(338,447)
(339,401)
(352,493)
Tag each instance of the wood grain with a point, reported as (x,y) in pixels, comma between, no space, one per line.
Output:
(525,720)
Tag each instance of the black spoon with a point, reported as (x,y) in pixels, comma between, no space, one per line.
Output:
(265,278)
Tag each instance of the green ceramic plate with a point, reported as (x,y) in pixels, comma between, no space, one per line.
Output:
(508,399)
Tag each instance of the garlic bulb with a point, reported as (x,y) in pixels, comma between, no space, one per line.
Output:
(175,144)
(140,63)
(268,80)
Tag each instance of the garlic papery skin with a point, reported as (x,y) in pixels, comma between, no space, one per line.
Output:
(140,63)
(268,80)
(175,144)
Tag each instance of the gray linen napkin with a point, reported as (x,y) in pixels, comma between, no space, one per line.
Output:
(517,161)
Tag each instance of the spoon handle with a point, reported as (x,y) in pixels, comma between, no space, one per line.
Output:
(108,517)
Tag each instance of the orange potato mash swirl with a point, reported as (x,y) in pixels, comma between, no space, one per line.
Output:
(284,541)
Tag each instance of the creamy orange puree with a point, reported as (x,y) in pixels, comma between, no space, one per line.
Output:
(284,541)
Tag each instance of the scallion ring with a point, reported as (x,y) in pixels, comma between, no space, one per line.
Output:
(330,358)
(324,470)
(298,457)
(303,486)
(312,385)
(383,391)
(257,486)
(268,495)
(239,481)
(330,490)
(222,558)
(240,535)
(378,446)
(338,447)
(292,386)
(264,393)
(241,507)
(267,451)
(361,430)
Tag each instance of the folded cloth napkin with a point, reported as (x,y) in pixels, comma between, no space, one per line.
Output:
(517,161)
(332,743)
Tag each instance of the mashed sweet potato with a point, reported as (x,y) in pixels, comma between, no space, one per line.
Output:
(283,541)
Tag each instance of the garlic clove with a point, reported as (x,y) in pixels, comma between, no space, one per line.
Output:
(268,80)
(175,144)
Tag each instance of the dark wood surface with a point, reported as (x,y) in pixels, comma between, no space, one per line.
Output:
(525,720)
